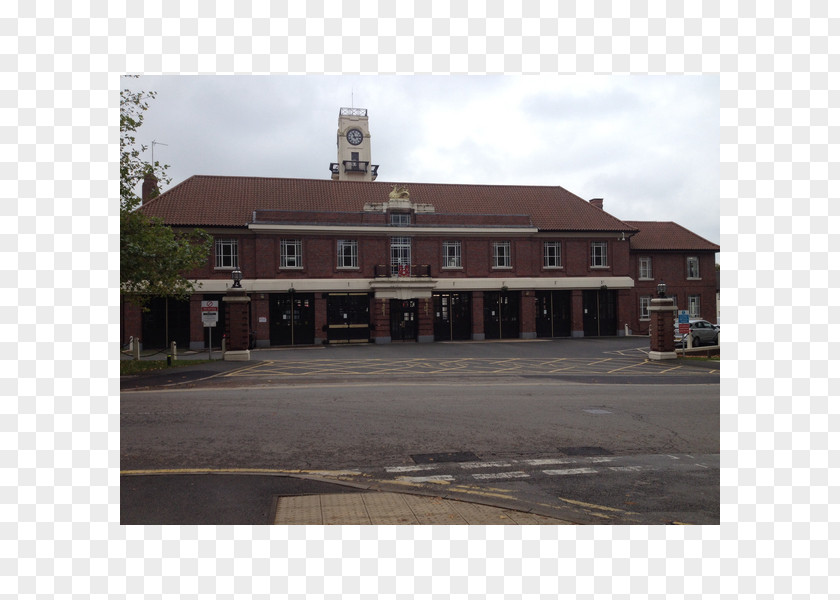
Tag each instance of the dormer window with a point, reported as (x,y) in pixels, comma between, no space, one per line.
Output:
(401,219)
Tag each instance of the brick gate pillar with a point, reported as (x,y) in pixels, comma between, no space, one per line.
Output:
(237,325)
(662,329)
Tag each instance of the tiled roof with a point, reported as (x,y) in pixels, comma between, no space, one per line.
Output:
(667,235)
(204,200)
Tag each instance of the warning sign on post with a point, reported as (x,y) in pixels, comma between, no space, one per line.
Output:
(209,312)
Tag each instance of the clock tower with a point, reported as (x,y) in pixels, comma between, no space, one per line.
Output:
(353,141)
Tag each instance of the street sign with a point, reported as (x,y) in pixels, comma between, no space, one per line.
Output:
(682,320)
(209,312)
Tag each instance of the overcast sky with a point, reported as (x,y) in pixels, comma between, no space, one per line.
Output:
(648,145)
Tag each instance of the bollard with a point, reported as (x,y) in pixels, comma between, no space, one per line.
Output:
(173,349)
(168,360)
(224,344)
(136,349)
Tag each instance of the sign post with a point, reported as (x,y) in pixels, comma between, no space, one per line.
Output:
(209,317)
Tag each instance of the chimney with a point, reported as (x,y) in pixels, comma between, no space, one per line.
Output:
(150,187)
(599,202)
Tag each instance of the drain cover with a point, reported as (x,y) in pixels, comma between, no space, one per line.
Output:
(442,457)
(585,451)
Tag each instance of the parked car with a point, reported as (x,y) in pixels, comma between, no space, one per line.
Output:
(702,333)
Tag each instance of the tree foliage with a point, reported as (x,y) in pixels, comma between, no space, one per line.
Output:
(153,257)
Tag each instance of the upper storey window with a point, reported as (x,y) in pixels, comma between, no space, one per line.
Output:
(348,254)
(598,254)
(693,267)
(227,254)
(451,255)
(501,255)
(291,254)
(645,268)
(551,255)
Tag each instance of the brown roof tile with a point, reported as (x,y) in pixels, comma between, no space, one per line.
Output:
(204,200)
(667,235)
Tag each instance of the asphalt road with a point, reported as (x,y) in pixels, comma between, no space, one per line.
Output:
(602,452)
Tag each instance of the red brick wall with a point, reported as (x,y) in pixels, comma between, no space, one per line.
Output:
(672,268)
(259,257)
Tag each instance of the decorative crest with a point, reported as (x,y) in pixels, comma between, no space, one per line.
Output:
(399,192)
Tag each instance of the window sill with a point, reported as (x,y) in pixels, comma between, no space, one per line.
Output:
(558,268)
(452,268)
(290,268)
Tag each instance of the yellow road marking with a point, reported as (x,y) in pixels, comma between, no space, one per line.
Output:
(237,471)
(594,506)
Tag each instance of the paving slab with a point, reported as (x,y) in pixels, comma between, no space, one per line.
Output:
(388,508)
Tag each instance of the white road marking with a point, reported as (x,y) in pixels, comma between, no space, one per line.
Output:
(569,471)
(483,465)
(509,475)
(534,462)
(634,468)
(410,468)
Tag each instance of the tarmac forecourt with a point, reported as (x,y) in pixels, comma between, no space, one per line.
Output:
(617,362)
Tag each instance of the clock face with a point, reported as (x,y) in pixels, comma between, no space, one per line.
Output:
(354,136)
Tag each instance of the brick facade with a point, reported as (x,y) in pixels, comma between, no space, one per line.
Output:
(598,269)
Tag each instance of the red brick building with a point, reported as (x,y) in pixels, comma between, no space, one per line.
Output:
(351,259)
(337,261)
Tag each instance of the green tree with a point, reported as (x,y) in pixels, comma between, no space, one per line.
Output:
(153,257)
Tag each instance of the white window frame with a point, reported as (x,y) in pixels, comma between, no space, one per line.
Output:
(452,255)
(598,260)
(347,251)
(401,219)
(291,259)
(227,253)
(501,255)
(694,306)
(692,267)
(555,257)
(644,308)
(400,254)
(645,268)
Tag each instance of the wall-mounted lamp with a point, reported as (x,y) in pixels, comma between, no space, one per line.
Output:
(661,288)
(237,277)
